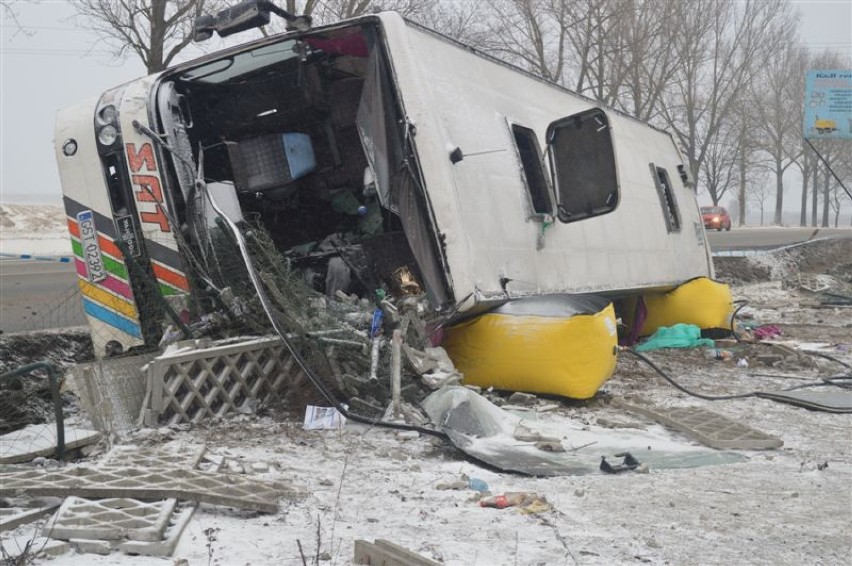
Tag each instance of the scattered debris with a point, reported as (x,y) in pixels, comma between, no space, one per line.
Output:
(529,502)
(522,399)
(488,433)
(676,336)
(628,462)
(767,332)
(323,418)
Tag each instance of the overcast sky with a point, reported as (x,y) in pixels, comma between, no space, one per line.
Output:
(56,64)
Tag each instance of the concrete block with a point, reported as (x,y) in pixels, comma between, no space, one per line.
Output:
(386,553)
(90,546)
(171,538)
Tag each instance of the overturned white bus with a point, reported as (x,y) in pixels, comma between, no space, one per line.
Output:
(363,148)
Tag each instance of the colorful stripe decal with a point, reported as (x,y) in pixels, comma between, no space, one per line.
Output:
(112,266)
(170,277)
(104,315)
(106,244)
(108,300)
(112,283)
(104,224)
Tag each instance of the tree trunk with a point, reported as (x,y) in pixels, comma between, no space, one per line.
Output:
(814,195)
(742,195)
(803,217)
(779,191)
(155,62)
(826,187)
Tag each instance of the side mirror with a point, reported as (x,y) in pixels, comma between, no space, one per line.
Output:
(246,15)
(203,28)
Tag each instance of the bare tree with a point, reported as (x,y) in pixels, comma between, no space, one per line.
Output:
(779,91)
(720,47)
(721,172)
(758,193)
(529,33)
(645,63)
(154,30)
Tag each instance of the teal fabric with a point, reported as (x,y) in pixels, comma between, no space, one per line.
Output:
(677,336)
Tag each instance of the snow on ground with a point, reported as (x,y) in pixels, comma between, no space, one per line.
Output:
(34,229)
(787,506)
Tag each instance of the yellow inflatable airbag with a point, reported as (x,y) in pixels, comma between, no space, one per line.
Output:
(702,302)
(568,356)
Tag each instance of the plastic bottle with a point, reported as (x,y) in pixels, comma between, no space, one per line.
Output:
(508,499)
(477,484)
(718,354)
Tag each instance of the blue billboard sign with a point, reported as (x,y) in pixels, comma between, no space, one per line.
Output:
(828,105)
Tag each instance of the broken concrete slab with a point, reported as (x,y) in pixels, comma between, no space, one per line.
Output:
(385,553)
(707,427)
(31,547)
(146,484)
(111,519)
(155,457)
(165,547)
(30,442)
(14,517)
(112,391)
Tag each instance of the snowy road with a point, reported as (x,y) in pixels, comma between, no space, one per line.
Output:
(37,295)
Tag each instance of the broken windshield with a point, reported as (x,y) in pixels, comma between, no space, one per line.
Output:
(243,63)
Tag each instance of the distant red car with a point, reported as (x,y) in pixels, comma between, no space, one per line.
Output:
(715,217)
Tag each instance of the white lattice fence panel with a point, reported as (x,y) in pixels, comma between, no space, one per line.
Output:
(211,382)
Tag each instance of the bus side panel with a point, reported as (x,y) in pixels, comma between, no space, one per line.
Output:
(480,203)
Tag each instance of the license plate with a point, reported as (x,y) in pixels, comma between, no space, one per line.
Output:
(91,248)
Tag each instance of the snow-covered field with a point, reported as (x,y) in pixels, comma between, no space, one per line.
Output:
(791,505)
(787,506)
(34,229)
